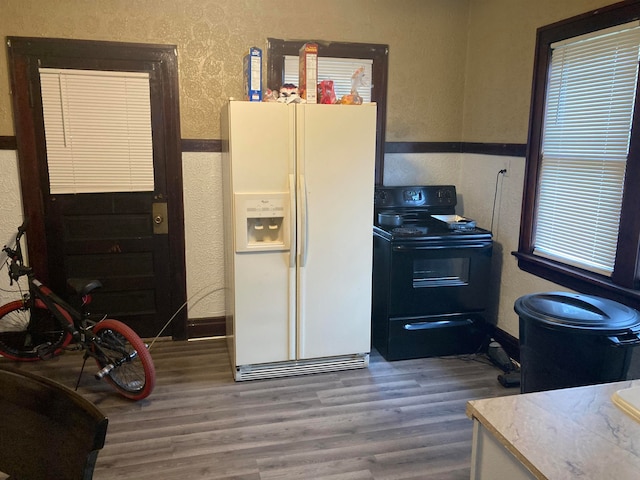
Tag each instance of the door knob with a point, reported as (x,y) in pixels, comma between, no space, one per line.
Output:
(158,219)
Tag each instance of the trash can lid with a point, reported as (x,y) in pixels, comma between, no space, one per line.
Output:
(576,311)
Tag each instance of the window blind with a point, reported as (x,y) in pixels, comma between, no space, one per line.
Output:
(587,123)
(339,70)
(98,130)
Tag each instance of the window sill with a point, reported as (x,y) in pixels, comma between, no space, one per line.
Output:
(577,279)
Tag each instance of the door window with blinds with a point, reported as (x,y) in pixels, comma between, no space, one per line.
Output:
(591,91)
(98,131)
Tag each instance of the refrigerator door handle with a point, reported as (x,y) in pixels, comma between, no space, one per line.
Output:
(292,217)
(303,222)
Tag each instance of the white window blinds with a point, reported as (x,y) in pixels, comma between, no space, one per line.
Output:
(587,124)
(98,130)
(339,70)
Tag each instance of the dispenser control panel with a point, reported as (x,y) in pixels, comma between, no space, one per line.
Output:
(265,207)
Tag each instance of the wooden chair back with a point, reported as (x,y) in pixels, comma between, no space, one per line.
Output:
(46,429)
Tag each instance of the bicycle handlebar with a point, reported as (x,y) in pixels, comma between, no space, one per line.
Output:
(6,251)
(16,268)
(15,239)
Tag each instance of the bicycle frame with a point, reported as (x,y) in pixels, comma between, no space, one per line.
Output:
(64,312)
(78,327)
(121,355)
(74,320)
(58,307)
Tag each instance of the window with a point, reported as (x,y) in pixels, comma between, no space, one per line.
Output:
(585,143)
(278,50)
(98,130)
(339,70)
(580,223)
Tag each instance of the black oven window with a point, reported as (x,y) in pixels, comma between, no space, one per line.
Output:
(441,272)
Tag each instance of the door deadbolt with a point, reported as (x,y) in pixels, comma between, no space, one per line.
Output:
(159,215)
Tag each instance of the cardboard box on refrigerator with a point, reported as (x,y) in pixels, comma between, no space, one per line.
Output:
(308,74)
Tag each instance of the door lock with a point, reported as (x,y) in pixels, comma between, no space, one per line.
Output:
(159,215)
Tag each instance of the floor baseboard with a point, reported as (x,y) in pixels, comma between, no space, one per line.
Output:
(510,343)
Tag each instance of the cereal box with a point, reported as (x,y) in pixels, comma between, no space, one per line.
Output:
(308,77)
(253,75)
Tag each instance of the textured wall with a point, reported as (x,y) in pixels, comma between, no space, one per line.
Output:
(203,234)
(427,40)
(502,37)
(10,215)
(421,168)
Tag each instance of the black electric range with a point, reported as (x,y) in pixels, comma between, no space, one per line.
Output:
(430,277)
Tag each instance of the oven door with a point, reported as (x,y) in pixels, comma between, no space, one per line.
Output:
(437,278)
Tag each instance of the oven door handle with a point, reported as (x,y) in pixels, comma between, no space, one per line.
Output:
(437,324)
(405,248)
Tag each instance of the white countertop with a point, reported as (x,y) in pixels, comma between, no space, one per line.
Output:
(568,433)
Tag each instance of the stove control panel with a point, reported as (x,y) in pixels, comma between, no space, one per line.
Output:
(413,196)
(416,196)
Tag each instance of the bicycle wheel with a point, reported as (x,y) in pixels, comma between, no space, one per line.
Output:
(128,362)
(29,334)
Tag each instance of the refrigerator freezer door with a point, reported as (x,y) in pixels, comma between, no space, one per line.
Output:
(262,332)
(335,161)
(261,148)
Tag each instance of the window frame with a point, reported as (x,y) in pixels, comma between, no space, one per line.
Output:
(624,284)
(277,49)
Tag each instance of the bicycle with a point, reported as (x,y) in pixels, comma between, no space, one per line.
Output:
(41,325)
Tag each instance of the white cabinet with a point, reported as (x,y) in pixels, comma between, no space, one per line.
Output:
(490,460)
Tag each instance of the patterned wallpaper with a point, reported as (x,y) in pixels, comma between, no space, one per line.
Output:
(459,70)
(427,40)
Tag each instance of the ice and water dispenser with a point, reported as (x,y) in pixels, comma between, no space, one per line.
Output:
(262,221)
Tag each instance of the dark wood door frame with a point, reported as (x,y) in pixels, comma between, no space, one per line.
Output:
(26,55)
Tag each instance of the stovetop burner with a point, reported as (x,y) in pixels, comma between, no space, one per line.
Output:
(408,231)
(431,231)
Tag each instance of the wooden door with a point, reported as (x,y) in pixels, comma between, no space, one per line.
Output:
(110,236)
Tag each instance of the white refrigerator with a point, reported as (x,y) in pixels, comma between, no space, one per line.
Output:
(298,186)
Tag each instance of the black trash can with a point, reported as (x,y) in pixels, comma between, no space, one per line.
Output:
(570,340)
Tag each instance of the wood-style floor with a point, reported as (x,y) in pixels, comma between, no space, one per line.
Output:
(393,420)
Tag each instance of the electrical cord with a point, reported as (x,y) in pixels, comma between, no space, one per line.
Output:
(495,195)
(181,307)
